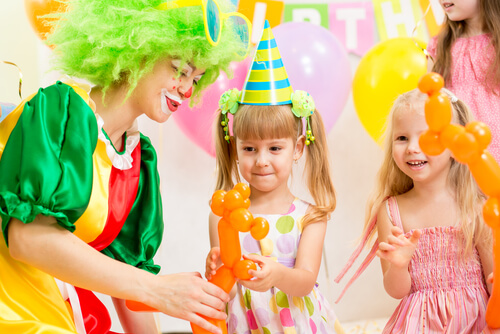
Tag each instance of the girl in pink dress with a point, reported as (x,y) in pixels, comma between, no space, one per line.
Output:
(467,53)
(433,245)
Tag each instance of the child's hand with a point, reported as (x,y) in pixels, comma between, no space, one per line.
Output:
(211,262)
(490,278)
(265,278)
(398,249)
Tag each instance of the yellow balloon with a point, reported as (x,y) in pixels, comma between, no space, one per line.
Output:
(389,69)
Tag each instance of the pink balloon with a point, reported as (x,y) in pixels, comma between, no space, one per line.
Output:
(197,122)
(317,63)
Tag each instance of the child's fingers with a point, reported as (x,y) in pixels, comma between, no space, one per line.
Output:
(382,254)
(384,246)
(393,240)
(254,273)
(257,273)
(255,258)
(215,253)
(415,236)
(396,231)
(490,278)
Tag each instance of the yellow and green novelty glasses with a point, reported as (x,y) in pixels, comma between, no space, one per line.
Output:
(213,17)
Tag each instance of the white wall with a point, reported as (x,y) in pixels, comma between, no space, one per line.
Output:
(187,181)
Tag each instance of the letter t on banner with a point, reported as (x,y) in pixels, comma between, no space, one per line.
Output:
(398,18)
(353,24)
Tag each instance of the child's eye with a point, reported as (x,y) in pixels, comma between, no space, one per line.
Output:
(275,148)
(401,138)
(248,149)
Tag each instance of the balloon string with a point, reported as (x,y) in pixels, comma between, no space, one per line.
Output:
(20,75)
(414,33)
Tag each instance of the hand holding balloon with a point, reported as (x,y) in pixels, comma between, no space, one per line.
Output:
(232,206)
(468,145)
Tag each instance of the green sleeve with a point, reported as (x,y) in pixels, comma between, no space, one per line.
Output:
(141,235)
(46,166)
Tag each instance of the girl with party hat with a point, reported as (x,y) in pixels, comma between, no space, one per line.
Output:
(268,140)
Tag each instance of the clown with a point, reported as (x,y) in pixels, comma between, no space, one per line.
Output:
(79,186)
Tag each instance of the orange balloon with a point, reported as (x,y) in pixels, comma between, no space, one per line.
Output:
(430,144)
(217,208)
(242,267)
(260,228)
(466,148)
(241,219)
(246,203)
(243,189)
(221,324)
(430,83)
(491,212)
(218,196)
(233,200)
(438,111)
(449,134)
(482,133)
(35,9)
(224,278)
(139,307)
(493,309)
(487,174)
(230,249)
(226,215)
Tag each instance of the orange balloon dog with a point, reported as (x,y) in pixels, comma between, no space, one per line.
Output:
(468,145)
(232,206)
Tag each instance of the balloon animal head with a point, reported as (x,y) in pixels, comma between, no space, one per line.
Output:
(233,206)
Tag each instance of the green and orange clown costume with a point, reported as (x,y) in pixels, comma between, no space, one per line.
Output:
(56,160)
(91,189)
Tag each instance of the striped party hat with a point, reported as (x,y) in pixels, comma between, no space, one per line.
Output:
(267,81)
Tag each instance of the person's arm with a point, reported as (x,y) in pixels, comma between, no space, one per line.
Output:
(298,281)
(135,322)
(51,248)
(395,252)
(486,257)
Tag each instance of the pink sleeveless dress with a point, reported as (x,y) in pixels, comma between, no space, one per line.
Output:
(471,59)
(448,293)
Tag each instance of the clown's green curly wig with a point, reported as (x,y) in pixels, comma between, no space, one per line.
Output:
(107,42)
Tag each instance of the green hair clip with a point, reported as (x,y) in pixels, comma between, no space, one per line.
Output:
(228,102)
(303,106)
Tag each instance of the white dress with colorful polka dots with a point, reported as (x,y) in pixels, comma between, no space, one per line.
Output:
(252,312)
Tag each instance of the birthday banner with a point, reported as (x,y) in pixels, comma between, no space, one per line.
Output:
(357,25)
